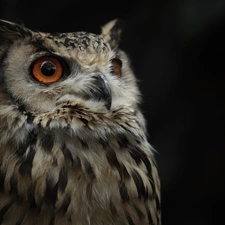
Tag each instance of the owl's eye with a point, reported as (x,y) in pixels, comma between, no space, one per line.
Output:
(47,69)
(117,66)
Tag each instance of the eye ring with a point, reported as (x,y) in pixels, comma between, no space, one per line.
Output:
(47,69)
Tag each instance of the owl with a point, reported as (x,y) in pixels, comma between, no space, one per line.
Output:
(74,148)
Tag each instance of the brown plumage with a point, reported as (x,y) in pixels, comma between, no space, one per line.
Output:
(73,146)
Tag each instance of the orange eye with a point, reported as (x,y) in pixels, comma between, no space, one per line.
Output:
(117,66)
(47,69)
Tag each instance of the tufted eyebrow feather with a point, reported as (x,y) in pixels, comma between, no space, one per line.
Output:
(13,31)
(111,32)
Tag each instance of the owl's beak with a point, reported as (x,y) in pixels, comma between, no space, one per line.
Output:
(102,92)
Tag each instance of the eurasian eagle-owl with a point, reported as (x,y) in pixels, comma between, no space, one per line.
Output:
(73,145)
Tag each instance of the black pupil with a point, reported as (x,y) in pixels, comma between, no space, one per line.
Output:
(48,68)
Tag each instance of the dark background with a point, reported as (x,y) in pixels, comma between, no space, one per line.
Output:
(177,50)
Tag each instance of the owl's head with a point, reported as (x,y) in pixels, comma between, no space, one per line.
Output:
(39,72)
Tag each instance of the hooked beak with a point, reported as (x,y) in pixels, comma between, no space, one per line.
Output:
(102,92)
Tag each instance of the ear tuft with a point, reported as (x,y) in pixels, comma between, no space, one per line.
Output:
(111,32)
(13,31)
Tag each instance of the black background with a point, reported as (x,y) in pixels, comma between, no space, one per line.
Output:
(177,51)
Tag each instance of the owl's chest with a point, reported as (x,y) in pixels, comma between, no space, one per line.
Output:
(63,173)
(61,178)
